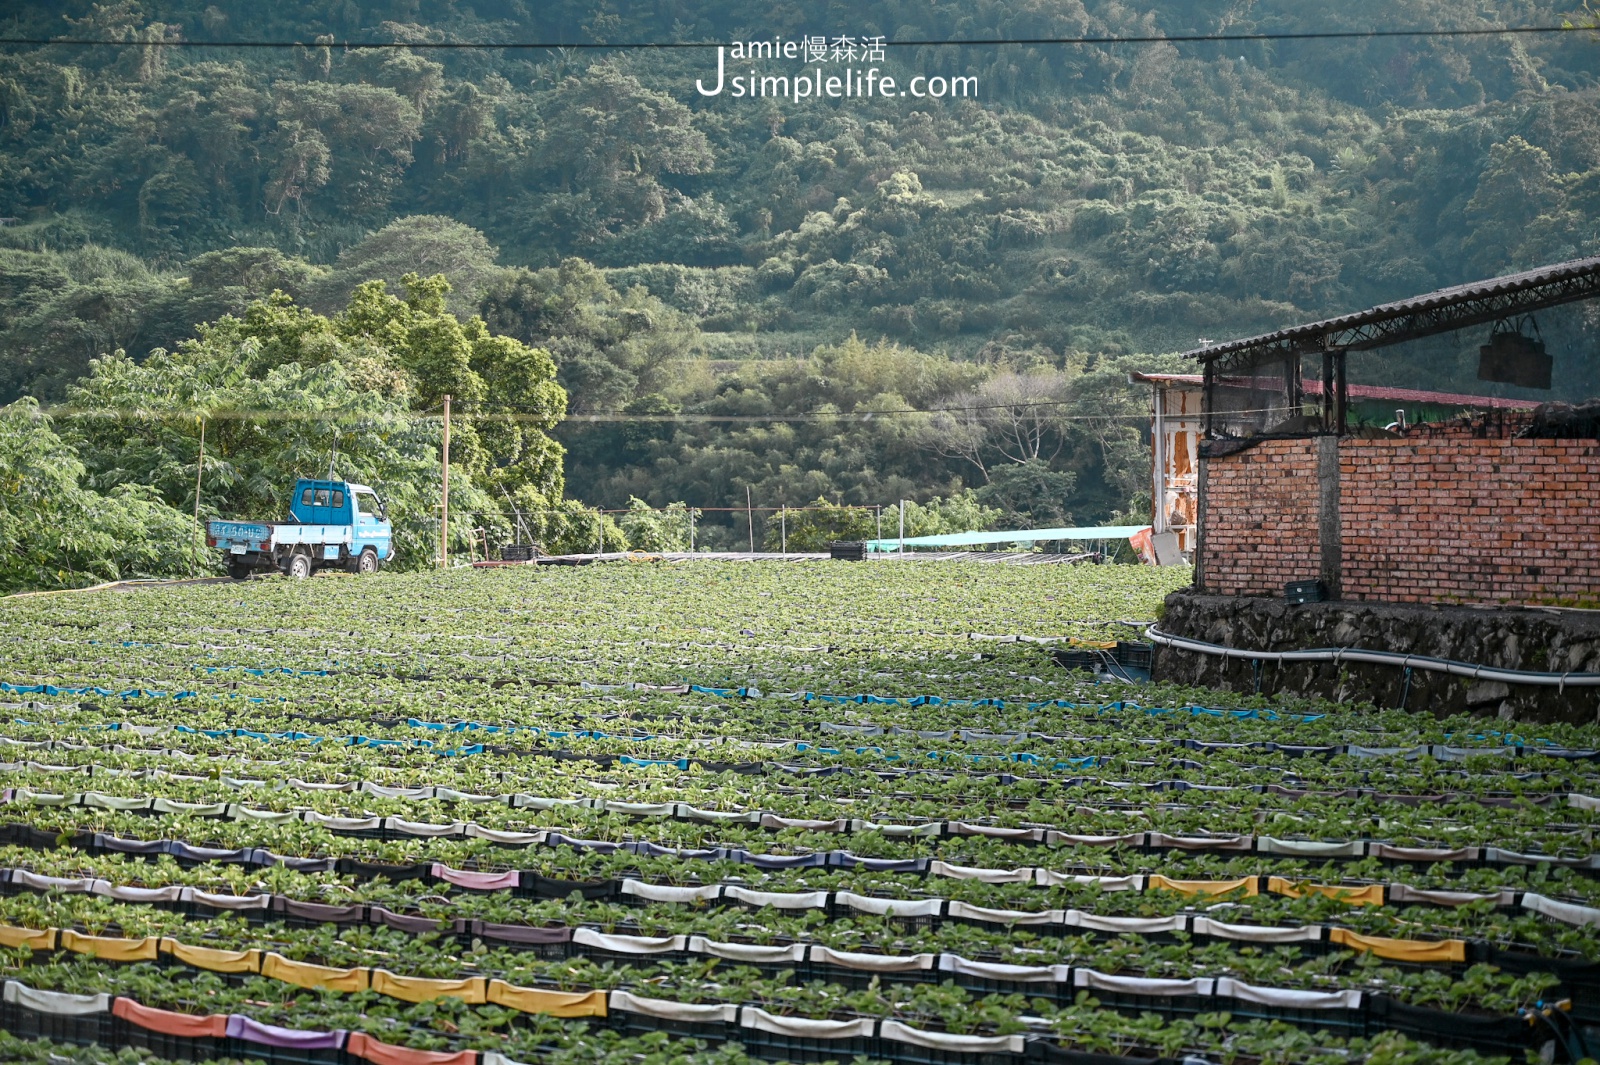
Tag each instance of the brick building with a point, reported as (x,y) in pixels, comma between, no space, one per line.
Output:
(1485,504)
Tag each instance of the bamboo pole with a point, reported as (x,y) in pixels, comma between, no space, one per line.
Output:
(444,506)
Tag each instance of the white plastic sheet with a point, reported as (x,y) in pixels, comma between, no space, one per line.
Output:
(804,1027)
(901,907)
(1565,912)
(873,963)
(619,944)
(993,970)
(1227,987)
(961,1044)
(987,876)
(778,900)
(752,953)
(1251,933)
(55,1002)
(966,911)
(674,1011)
(1144,926)
(1141,985)
(1310,848)
(664,893)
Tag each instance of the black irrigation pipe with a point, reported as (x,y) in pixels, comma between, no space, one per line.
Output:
(1474,670)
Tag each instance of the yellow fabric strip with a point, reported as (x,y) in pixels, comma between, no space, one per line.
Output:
(1157,882)
(109,947)
(212,960)
(1401,949)
(552,1003)
(422,989)
(304,974)
(34,938)
(1370,895)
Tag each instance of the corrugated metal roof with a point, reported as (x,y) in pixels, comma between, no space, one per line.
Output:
(1313,387)
(1385,311)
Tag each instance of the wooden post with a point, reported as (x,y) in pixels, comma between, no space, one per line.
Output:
(444,506)
(198,467)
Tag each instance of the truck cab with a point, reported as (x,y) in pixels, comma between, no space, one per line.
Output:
(331,523)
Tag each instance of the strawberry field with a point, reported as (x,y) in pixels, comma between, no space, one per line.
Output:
(717,812)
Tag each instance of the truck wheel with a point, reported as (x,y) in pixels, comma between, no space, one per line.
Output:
(368,562)
(300,567)
(238,569)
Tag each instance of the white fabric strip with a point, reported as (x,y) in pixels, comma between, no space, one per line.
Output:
(640,809)
(752,953)
(932,828)
(619,944)
(1048,878)
(232,902)
(694,813)
(838,824)
(1141,985)
(901,907)
(238,812)
(993,970)
(1422,854)
(803,1027)
(963,1044)
(422,828)
(62,884)
(55,1002)
(988,876)
(1506,857)
(1202,843)
(798,900)
(874,963)
(1434,897)
(1308,848)
(1583,802)
(1129,839)
(1565,912)
(170,893)
(198,809)
(497,835)
(1250,933)
(1228,987)
(344,824)
(452,795)
(674,1011)
(966,828)
(664,893)
(966,911)
(1144,926)
(96,800)
(384,791)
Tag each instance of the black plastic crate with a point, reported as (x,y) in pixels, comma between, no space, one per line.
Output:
(771,1046)
(29,1024)
(518,552)
(259,1052)
(1305,591)
(848,550)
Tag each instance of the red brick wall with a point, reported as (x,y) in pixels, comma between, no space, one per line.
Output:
(1260,524)
(1442,519)
(1464,520)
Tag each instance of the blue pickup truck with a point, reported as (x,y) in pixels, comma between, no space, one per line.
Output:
(331,523)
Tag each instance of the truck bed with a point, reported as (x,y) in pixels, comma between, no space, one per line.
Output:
(259,535)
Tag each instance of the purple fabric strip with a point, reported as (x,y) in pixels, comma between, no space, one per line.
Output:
(241,1027)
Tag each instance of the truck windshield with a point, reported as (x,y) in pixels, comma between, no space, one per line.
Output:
(368,504)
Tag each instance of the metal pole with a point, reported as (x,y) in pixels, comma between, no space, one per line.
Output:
(444,505)
(199,466)
(750,518)
(783,527)
(877,513)
(599,534)
(902,509)
(691,530)
(1158,449)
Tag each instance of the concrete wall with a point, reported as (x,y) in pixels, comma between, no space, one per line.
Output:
(1536,640)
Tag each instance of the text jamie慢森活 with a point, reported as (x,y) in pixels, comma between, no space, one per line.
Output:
(845,81)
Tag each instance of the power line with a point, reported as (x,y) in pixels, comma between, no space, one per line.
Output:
(1188,38)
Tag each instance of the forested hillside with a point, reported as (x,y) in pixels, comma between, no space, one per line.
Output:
(710,257)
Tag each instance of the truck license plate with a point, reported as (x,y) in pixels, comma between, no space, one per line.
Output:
(237,549)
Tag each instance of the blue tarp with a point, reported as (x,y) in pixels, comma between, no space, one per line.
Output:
(1014,536)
